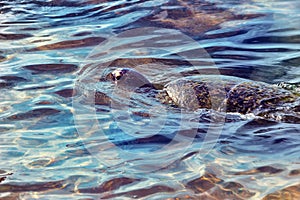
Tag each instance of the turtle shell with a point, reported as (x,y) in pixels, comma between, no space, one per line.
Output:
(226,93)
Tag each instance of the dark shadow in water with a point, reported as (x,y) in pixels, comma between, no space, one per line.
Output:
(110,185)
(10,81)
(90,41)
(51,68)
(36,113)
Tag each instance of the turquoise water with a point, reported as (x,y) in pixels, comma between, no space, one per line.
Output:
(61,139)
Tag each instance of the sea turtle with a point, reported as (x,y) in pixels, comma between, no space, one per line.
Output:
(217,92)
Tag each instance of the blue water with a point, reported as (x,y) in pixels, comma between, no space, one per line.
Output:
(59,140)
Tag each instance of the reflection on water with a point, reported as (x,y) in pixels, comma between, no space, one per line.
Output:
(45,154)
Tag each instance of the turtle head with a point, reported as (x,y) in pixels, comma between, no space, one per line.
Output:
(129,79)
(120,73)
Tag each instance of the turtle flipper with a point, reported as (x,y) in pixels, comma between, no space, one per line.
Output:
(288,112)
(164,98)
(293,87)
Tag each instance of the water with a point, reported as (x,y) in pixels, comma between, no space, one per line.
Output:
(57,144)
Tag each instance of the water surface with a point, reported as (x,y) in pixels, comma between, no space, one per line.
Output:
(49,150)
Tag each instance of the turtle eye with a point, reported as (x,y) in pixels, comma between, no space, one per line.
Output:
(118,77)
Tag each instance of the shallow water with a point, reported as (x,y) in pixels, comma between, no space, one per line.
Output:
(67,134)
